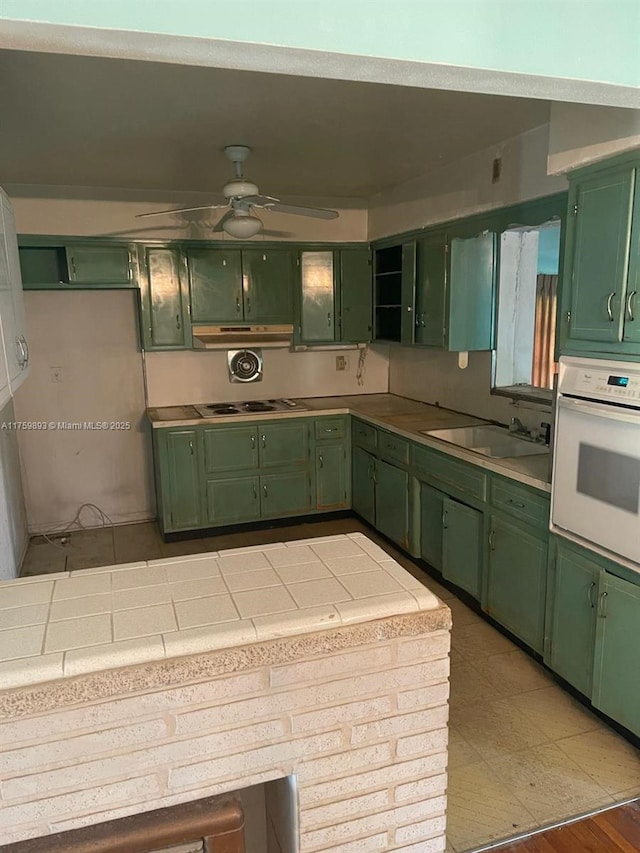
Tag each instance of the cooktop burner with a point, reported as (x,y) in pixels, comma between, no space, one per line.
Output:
(218,410)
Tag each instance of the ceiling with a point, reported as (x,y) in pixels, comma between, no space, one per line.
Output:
(95,122)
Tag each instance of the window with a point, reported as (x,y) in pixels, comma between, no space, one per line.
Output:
(527,308)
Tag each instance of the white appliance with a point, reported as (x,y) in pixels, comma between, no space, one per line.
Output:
(248,407)
(595,493)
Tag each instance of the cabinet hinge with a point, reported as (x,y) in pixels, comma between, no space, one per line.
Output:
(575,209)
(446,248)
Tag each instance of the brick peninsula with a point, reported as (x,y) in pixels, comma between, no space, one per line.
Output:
(319,667)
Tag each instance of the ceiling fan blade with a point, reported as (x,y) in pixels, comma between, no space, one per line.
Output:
(314,212)
(260,200)
(180,210)
(218,226)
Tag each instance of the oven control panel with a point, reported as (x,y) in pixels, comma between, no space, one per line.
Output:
(597,380)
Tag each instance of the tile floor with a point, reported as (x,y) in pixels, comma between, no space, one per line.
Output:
(523,753)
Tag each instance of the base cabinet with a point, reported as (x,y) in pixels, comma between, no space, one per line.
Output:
(431,528)
(332,476)
(462,545)
(363,484)
(179,486)
(232,500)
(392,502)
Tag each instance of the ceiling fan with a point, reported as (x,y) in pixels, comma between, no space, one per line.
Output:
(242,196)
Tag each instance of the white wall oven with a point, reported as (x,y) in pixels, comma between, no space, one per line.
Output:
(595,495)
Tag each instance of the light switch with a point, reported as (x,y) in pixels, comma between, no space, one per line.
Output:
(56,374)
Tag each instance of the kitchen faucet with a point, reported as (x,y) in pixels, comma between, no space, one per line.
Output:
(517,426)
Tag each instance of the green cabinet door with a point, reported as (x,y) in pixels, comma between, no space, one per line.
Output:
(392,502)
(517,576)
(616,676)
(164,297)
(98,264)
(268,285)
(286,493)
(180,476)
(233,448)
(632,297)
(431,286)
(332,476)
(408,287)
(431,509)
(462,546)
(284,443)
(471,291)
(232,501)
(363,498)
(356,295)
(574,594)
(215,281)
(317,283)
(599,226)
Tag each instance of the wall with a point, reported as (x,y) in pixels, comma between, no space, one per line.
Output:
(581,134)
(13,517)
(464,187)
(91,338)
(200,377)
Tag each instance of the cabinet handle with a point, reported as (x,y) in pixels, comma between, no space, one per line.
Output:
(22,359)
(329,429)
(191,446)
(603,604)
(609,311)
(248,304)
(264,491)
(177,321)
(492,533)
(590,589)
(374,472)
(73,265)
(515,503)
(444,519)
(264,440)
(329,318)
(255,492)
(321,460)
(630,300)
(253,442)
(238,304)
(26,350)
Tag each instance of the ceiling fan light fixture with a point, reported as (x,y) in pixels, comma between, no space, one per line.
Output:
(242,226)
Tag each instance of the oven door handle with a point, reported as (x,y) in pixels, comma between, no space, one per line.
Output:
(600,410)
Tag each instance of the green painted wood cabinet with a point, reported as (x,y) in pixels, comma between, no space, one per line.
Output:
(363,488)
(601,278)
(232,500)
(90,264)
(232,448)
(392,502)
(573,595)
(178,477)
(431,290)
(356,295)
(471,293)
(462,546)
(431,525)
(50,263)
(616,676)
(285,493)
(164,298)
(332,467)
(241,285)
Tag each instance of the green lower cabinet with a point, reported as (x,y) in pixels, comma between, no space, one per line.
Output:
(233,448)
(573,592)
(285,494)
(517,579)
(616,675)
(363,489)
(284,443)
(462,545)
(232,501)
(332,477)
(431,508)
(180,466)
(392,502)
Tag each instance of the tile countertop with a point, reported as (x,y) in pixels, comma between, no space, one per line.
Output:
(399,414)
(58,626)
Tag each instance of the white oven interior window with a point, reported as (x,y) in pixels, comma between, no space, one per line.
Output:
(610,477)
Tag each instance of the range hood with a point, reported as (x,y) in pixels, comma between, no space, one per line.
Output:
(235,335)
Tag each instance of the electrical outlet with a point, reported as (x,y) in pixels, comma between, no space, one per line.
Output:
(341,362)
(56,374)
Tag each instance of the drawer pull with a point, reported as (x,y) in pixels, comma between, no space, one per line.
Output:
(264,491)
(264,440)
(253,442)
(516,503)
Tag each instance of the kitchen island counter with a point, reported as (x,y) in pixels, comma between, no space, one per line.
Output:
(321,664)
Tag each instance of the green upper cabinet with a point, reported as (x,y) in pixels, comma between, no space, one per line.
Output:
(268,285)
(335,295)
(241,285)
(471,293)
(394,269)
(616,679)
(215,281)
(356,295)
(49,263)
(601,275)
(164,296)
(431,288)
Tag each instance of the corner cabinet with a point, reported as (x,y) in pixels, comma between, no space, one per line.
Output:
(214,475)
(594,622)
(601,280)
(14,346)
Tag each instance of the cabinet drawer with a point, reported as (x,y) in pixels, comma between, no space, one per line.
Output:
(513,498)
(449,473)
(331,428)
(364,435)
(392,447)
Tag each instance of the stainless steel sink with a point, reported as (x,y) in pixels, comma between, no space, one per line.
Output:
(493,441)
